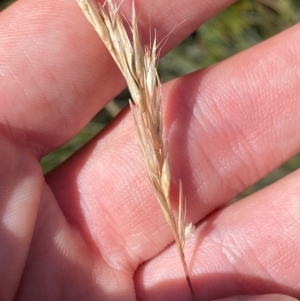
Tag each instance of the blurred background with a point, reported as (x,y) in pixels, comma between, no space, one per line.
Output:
(240,26)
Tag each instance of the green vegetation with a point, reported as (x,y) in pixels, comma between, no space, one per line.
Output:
(239,27)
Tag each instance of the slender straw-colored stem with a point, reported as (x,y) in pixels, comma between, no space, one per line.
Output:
(185,268)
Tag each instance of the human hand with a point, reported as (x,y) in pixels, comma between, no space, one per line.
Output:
(92,230)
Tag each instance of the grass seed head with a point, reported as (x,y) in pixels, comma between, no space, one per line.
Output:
(139,67)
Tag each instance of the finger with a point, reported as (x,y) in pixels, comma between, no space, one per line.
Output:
(56,73)
(227,126)
(250,247)
(238,121)
(20,193)
(53,68)
(64,266)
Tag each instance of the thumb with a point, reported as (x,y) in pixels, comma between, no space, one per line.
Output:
(21,181)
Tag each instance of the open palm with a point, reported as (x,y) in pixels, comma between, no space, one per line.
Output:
(92,229)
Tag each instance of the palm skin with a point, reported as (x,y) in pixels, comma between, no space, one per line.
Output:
(91,229)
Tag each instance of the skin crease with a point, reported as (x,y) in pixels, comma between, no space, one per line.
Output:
(91,229)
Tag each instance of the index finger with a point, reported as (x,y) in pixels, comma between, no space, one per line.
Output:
(55,72)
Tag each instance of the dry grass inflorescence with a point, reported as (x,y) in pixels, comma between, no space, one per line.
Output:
(139,67)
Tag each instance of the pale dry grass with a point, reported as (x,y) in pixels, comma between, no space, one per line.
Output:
(139,67)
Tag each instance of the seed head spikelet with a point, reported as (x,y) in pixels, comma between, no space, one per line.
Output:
(139,67)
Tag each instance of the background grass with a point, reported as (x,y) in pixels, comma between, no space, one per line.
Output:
(239,27)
